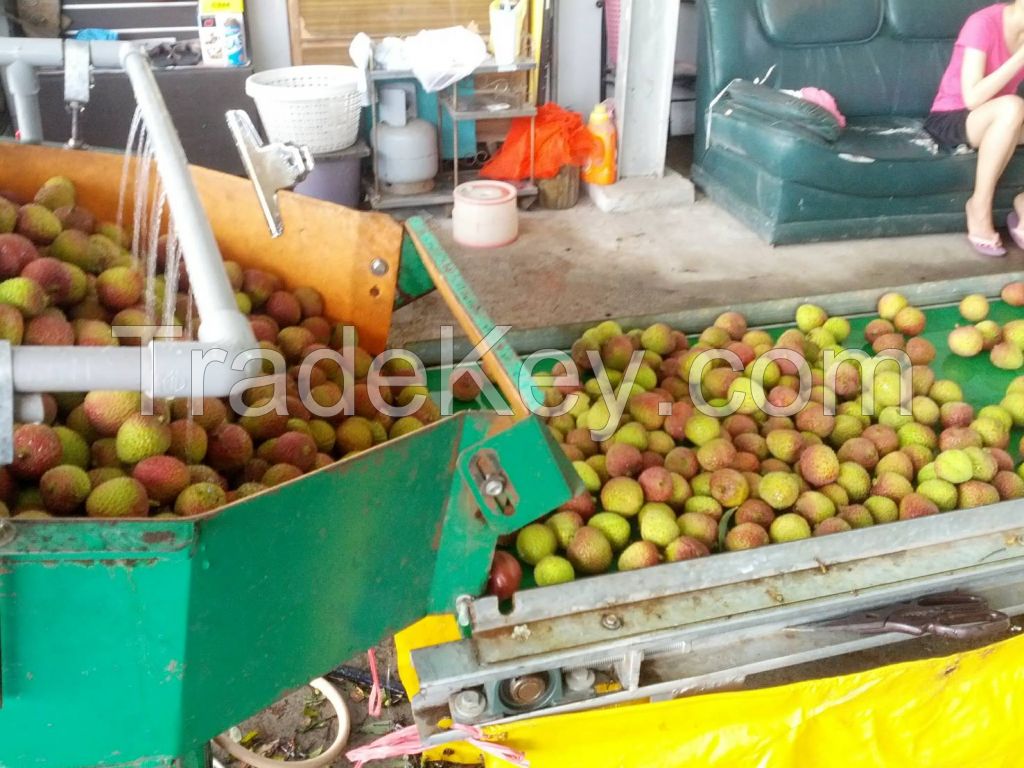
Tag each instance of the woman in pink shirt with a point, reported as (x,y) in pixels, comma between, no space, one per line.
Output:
(978,105)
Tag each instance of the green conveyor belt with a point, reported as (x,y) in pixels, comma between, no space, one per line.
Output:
(982,383)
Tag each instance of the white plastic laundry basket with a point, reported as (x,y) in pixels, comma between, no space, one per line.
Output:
(318,106)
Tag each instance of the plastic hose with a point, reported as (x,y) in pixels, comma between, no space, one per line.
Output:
(330,693)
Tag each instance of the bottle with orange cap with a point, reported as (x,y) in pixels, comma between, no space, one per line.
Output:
(602,165)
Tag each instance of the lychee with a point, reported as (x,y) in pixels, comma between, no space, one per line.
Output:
(16,253)
(589,551)
(814,507)
(118,497)
(553,570)
(26,295)
(622,495)
(890,304)
(819,465)
(915,505)
(141,436)
(37,448)
(685,548)
(37,223)
(199,498)
(746,536)
(64,488)
(229,447)
(789,527)
(779,490)
(163,477)
(1013,294)
(966,341)
(49,330)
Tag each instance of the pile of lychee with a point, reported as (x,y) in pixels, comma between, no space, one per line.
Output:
(65,279)
(674,482)
(1004,343)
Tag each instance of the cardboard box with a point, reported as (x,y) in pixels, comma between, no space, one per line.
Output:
(222,33)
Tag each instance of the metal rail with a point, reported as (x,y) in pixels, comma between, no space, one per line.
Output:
(693,626)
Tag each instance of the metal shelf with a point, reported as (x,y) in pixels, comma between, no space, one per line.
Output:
(484,106)
(441,194)
(489,67)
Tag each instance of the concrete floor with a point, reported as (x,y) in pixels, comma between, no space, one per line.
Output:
(582,264)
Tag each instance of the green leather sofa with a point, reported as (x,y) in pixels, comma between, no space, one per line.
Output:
(882,61)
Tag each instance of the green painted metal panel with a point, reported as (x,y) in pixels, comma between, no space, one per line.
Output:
(133,640)
(413,280)
(93,647)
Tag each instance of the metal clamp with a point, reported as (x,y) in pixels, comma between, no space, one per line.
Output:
(77,84)
(270,167)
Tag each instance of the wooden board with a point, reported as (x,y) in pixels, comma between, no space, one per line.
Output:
(324,245)
(326,27)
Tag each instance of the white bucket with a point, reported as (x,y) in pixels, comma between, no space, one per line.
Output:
(485,214)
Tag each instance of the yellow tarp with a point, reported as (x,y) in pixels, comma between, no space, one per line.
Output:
(961,711)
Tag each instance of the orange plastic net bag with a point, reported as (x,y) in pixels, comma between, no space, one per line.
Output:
(562,139)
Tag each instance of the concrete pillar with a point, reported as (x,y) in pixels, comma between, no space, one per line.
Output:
(643,84)
(643,98)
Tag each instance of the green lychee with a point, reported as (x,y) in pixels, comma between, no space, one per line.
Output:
(552,570)
(615,527)
(119,497)
(658,524)
(810,316)
(789,527)
(882,509)
(141,436)
(564,524)
(623,495)
(24,294)
(189,441)
(966,341)
(954,466)
(37,223)
(941,492)
(535,542)
(779,489)
(974,308)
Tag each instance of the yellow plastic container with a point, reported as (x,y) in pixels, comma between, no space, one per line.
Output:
(602,165)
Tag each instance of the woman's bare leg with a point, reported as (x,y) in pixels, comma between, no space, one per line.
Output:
(994,129)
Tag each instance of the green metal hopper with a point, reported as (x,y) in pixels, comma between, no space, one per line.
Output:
(133,642)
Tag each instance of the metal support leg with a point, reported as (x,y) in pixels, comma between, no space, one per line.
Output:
(24,87)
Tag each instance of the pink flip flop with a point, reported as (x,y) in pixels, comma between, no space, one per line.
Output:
(1013,224)
(992,247)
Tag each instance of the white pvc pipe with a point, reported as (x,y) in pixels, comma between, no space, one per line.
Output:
(159,369)
(24,87)
(49,52)
(221,319)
